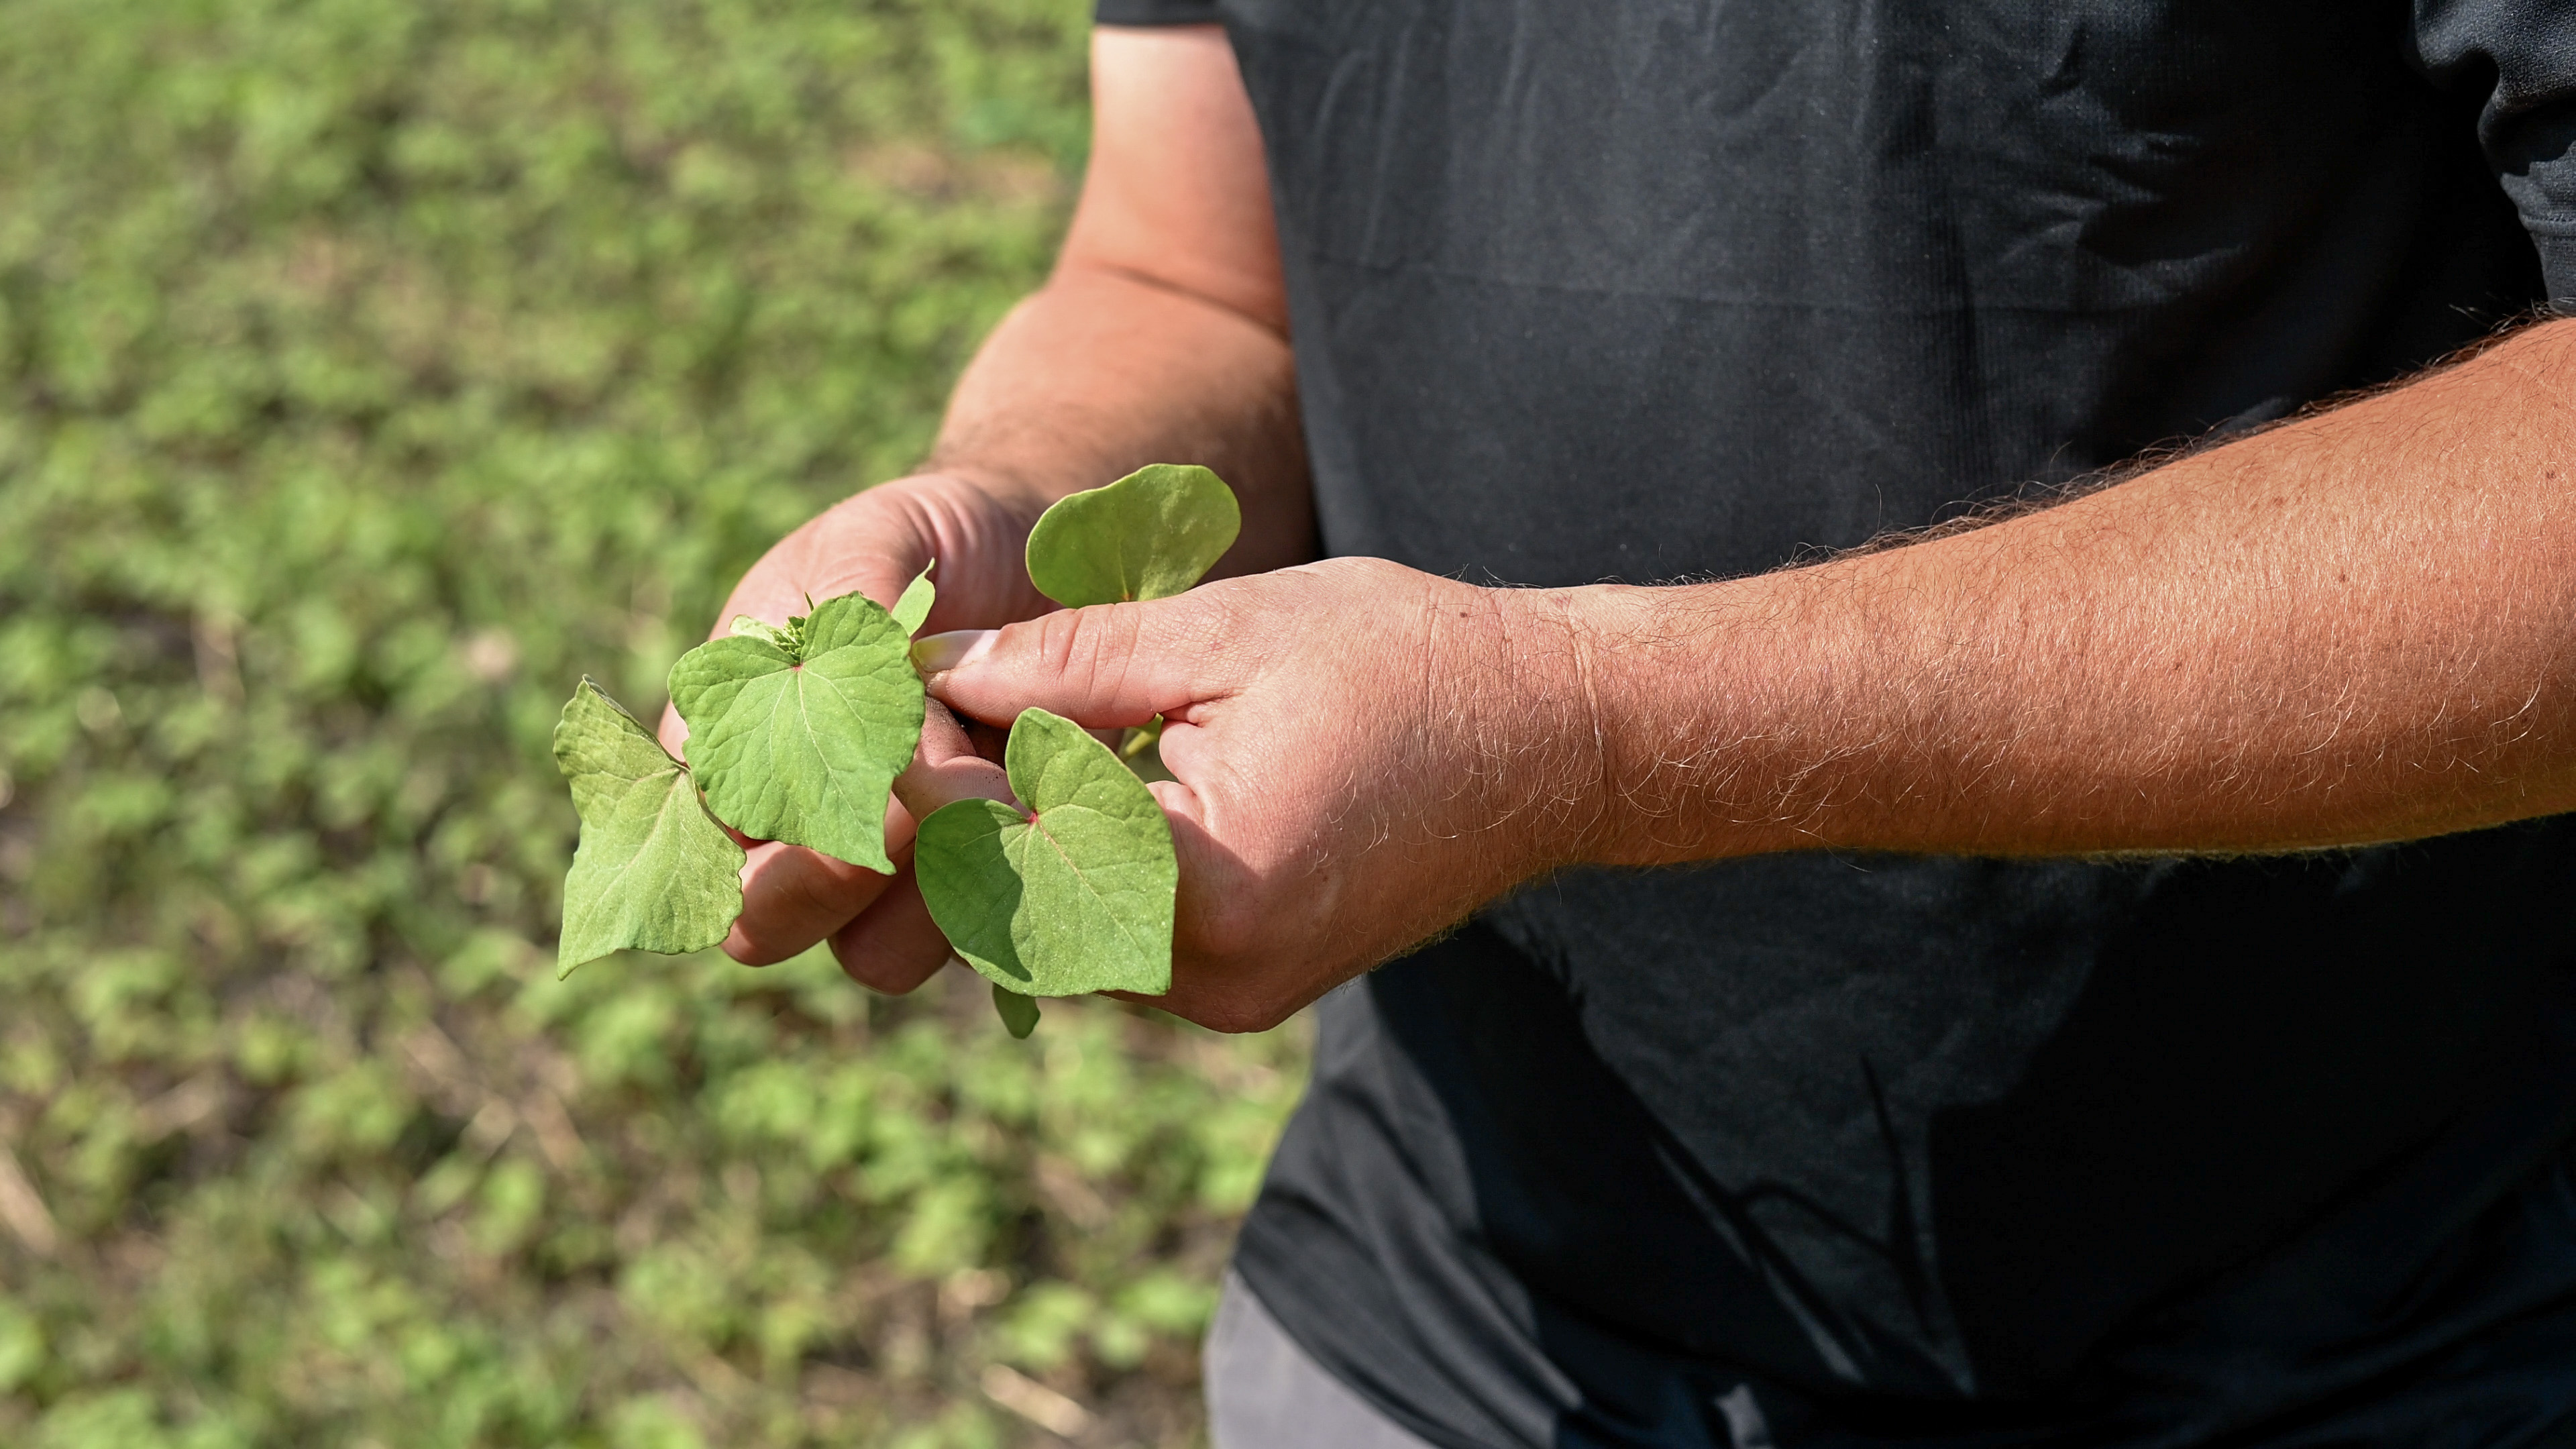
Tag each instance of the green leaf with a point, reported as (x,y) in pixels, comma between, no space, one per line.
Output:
(1019,1013)
(914,606)
(1072,898)
(796,734)
(653,871)
(1149,535)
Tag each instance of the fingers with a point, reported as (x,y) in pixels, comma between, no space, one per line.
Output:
(1101,667)
(879,926)
(947,768)
(793,897)
(894,946)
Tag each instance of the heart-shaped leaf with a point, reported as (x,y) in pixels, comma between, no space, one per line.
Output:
(917,598)
(1149,535)
(653,872)
(1072,895)
(797,733)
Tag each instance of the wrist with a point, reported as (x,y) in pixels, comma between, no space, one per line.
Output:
(1701,698)
(1535,745)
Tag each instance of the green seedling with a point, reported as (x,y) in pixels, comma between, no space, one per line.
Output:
(796,733)
(1072,894)
(654,871)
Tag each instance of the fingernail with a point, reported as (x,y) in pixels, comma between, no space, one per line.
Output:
(939,653)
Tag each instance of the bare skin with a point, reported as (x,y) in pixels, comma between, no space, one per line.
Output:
(2356,627)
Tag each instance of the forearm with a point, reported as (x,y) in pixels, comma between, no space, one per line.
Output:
(1163,334)
(2359,626)
(1103,371)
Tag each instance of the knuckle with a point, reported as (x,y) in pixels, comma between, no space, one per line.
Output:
(1058,635)
(1088,647)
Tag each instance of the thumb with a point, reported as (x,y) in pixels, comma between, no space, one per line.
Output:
(1101,667)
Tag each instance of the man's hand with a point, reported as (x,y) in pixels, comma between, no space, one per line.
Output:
(1161,337)
(1363,754)
(874,544)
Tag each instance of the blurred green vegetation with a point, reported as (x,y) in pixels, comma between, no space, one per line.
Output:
(368,372)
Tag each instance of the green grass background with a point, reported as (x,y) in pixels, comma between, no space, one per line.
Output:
(368,372)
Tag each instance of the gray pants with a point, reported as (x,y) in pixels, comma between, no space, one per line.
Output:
(1263,1392)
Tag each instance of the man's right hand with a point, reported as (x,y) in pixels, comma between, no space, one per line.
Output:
(1160,337)
(874,543)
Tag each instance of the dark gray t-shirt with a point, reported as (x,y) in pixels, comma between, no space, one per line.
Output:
(1870,1147)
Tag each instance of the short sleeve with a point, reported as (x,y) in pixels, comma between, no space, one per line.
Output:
(1156,12)
(2517,58)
